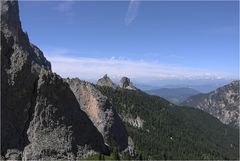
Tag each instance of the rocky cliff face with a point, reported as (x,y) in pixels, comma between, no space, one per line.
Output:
(126,84)
(100,111)
(59,128)
(21,63)
(40,116)
(106,81)
(223,103)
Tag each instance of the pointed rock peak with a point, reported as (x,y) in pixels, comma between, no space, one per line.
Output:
(10,20)
(105,76)
(106,81)
(13,35)
(10,13)
(126,84)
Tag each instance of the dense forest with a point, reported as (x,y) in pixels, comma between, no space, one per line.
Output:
(172,132)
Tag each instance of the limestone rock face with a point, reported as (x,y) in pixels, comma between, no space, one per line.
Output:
(100,111)
(106,81)
(59,128)
(21,63)
(125,83)
(223,103)
(40,116)
(136,122)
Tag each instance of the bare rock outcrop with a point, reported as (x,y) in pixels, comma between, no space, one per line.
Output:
(106,81)
(223,103)
(40,116)
(125,83)
(59,128)
(21,63)
(101,112)
(136,122)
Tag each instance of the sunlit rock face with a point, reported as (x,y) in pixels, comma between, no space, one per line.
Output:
(100,111)
(223,103)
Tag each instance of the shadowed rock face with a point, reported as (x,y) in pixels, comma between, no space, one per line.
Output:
(100,111)
(40,116)
(126,84)
(59,128)
(106,81)
(21,63)
(223,103)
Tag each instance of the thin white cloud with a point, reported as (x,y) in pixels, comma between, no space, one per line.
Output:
(174,56)
(66,7)
(94,68)
(132,12)
(58,51)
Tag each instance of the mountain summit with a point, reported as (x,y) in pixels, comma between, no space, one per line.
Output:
(106,81)
(125,83)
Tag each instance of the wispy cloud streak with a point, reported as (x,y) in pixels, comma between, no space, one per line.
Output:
(132,12)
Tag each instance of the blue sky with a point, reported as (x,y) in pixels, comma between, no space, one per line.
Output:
(146,41)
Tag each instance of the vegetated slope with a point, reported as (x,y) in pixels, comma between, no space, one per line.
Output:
(170,132)
(174,95)
(223,103)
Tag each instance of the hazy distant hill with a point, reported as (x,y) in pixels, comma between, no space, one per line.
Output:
(174,95)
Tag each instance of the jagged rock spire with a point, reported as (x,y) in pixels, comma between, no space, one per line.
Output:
(106,81)
(126,84)
(10,21)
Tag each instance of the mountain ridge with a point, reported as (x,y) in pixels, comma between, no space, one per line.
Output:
(222,103)
(172,132)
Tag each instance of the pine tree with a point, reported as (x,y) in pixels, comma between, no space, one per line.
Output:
(115,154)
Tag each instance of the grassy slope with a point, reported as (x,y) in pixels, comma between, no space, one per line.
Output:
(171,132)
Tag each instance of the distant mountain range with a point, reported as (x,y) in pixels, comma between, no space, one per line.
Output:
(222,103)
(174,95)
(203,86)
